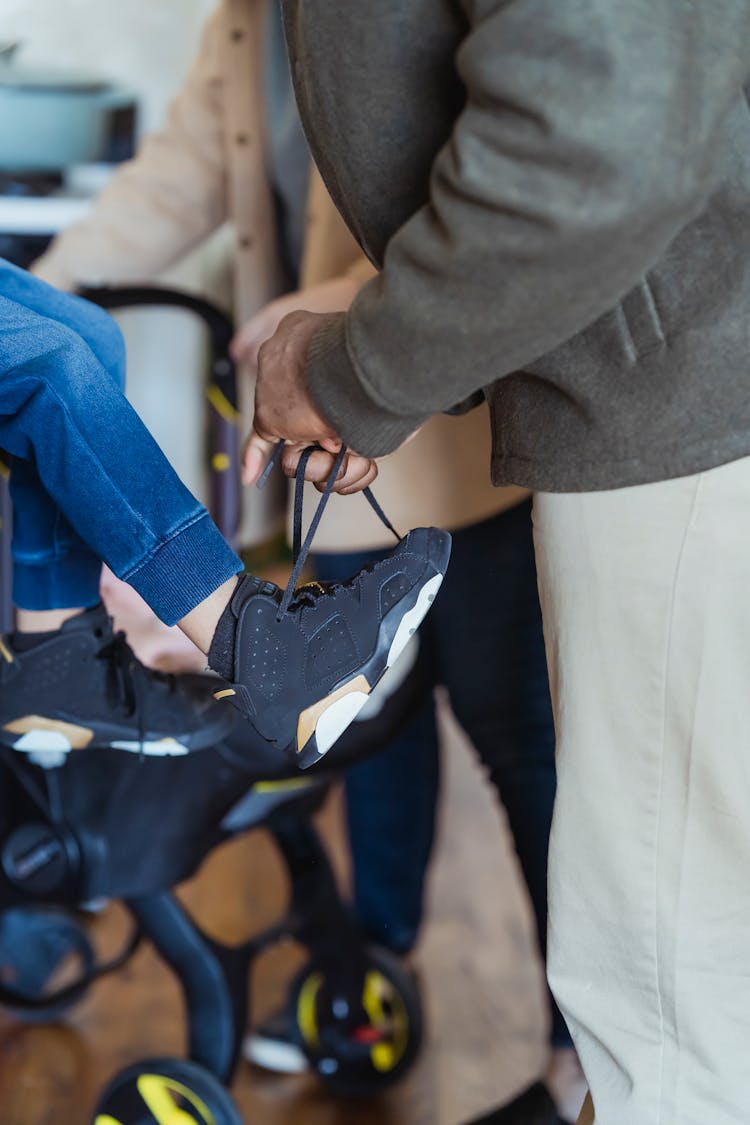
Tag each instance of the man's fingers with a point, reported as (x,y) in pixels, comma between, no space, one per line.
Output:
(354,474)
(331,444)
(254,457)
(319,465)
(346,488)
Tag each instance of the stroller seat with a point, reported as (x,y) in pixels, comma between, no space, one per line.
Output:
(106,822)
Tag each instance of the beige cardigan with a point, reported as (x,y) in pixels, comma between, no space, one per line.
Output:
(207,166)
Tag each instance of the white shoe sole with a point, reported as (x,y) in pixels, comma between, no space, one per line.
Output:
(321,725)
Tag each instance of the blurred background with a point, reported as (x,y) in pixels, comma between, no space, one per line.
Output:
(121,64)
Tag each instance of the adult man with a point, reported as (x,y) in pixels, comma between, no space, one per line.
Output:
(559,193)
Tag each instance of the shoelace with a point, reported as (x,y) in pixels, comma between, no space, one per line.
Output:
(128,678)
(120,659)
(300,549)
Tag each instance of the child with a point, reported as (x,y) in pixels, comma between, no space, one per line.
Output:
(89,484)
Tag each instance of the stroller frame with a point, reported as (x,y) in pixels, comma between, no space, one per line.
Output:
(359,1013)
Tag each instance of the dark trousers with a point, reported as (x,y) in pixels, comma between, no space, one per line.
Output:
(483,641)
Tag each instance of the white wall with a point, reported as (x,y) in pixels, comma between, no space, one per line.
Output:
(144,44)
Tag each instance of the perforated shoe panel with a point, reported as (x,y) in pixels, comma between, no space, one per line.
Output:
(393,590)
(331,652)
(266,652)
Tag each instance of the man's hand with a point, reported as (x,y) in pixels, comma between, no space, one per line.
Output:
(283,406)
(284,410)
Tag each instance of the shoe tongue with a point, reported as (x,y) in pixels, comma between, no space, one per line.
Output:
(91,619)
(248,587)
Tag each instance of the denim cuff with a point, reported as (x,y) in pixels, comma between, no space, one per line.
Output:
(184,570)
(64,581)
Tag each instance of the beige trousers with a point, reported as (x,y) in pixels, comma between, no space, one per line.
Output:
(646,600)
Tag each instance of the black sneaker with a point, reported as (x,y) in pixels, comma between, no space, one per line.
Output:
(305,661)
(84,687)
(304,669)
(274,1045)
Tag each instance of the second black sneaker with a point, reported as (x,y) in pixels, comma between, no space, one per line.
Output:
(304,665)
(82,686)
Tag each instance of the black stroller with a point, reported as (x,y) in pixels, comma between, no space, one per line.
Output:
(72,829)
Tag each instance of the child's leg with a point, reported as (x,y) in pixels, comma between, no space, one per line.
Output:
(63,414)
(54,571)
(78,448)
(92,324)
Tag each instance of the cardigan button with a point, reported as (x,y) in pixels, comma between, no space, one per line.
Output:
(237,34)
(245,241)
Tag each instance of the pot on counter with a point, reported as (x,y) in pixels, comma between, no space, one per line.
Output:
(53,117)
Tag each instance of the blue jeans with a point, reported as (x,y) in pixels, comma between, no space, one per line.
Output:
(482,640)
(88,481)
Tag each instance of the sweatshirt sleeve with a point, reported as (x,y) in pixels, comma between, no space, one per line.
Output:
(589,137)
(162,203)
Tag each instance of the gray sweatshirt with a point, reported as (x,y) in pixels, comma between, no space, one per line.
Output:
(558,192)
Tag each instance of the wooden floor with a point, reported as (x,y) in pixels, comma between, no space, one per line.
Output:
(481,977)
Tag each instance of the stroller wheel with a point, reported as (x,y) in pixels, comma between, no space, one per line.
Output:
(158,1091)
(360,1036)
(42,949)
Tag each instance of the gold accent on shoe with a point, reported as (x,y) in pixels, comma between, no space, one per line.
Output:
(313,584)
(308,720)
(78,737)
(224,693)
(5,651)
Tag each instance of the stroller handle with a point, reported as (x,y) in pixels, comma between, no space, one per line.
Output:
(221,393)
(219,324)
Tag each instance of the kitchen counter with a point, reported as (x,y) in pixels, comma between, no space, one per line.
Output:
(40,214)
